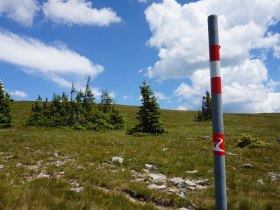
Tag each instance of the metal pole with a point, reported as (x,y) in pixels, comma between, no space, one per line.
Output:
(218,125)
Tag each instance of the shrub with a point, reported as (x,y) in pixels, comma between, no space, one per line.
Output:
(250,142)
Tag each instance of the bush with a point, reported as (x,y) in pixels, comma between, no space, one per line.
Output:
(250,142)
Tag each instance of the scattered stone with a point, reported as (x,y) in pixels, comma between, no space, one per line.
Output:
(18,165)
(146,171)
(184,208)
(191,188)
(158,177)
(206,138)
(274,176)
(58,154)
(40,163)
(201,182)
(118,159)
(8,157)
(26,148)
(192,172)
(164,149)
(150,166)
(176,180)
(75,184)
(156,187)
(181,194)
(247,165)
(260,181)
(173,189)
(77,189)
(58,163)
(278,140)
(43,175)
(1,166)
(190,183)
(31,167)
(60,175)
(29,177)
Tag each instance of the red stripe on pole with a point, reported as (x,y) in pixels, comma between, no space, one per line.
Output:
(214,53)
(216,85)
(218,144)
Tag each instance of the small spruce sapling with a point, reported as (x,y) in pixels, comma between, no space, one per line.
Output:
(148,114)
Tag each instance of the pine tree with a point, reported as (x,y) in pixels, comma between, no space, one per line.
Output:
(5,108)
(73,90)
(149,113)
(89,99)
(206,108)
(106,104)
(80,113)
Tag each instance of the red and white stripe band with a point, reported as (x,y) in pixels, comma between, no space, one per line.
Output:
(215,69)
(216,82)
(214,52)
(216,85)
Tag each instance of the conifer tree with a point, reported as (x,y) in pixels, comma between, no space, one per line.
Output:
(206,108)
(80,112)
(106,103)
(89,99)
(5,108)
(149,113)
(73,91)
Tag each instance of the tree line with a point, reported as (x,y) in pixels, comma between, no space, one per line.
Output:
(81,111)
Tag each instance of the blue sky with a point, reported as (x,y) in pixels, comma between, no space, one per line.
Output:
(47,44)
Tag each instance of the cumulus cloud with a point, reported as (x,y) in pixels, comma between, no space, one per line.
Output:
(183,107)
(19,93)
(143,1)
(52,61)
(22,11)
(80,12)
(161,96)
(243,28)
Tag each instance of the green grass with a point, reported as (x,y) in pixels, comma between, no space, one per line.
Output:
(109,186)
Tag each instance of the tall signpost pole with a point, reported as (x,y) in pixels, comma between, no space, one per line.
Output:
(218,125)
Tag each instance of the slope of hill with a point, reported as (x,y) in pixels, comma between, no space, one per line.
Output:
(62,168)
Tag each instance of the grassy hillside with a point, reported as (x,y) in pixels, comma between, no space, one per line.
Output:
(42,168)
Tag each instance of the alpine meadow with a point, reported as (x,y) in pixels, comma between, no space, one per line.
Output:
(139,105)
(64,168)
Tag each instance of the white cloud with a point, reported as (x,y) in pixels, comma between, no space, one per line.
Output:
(112,94)
(19,93)
(80,12)
(183,107)
(21,11)
(143,1)
(183,50)
(161,96)
(51,61)
(97,92)
(246,88)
